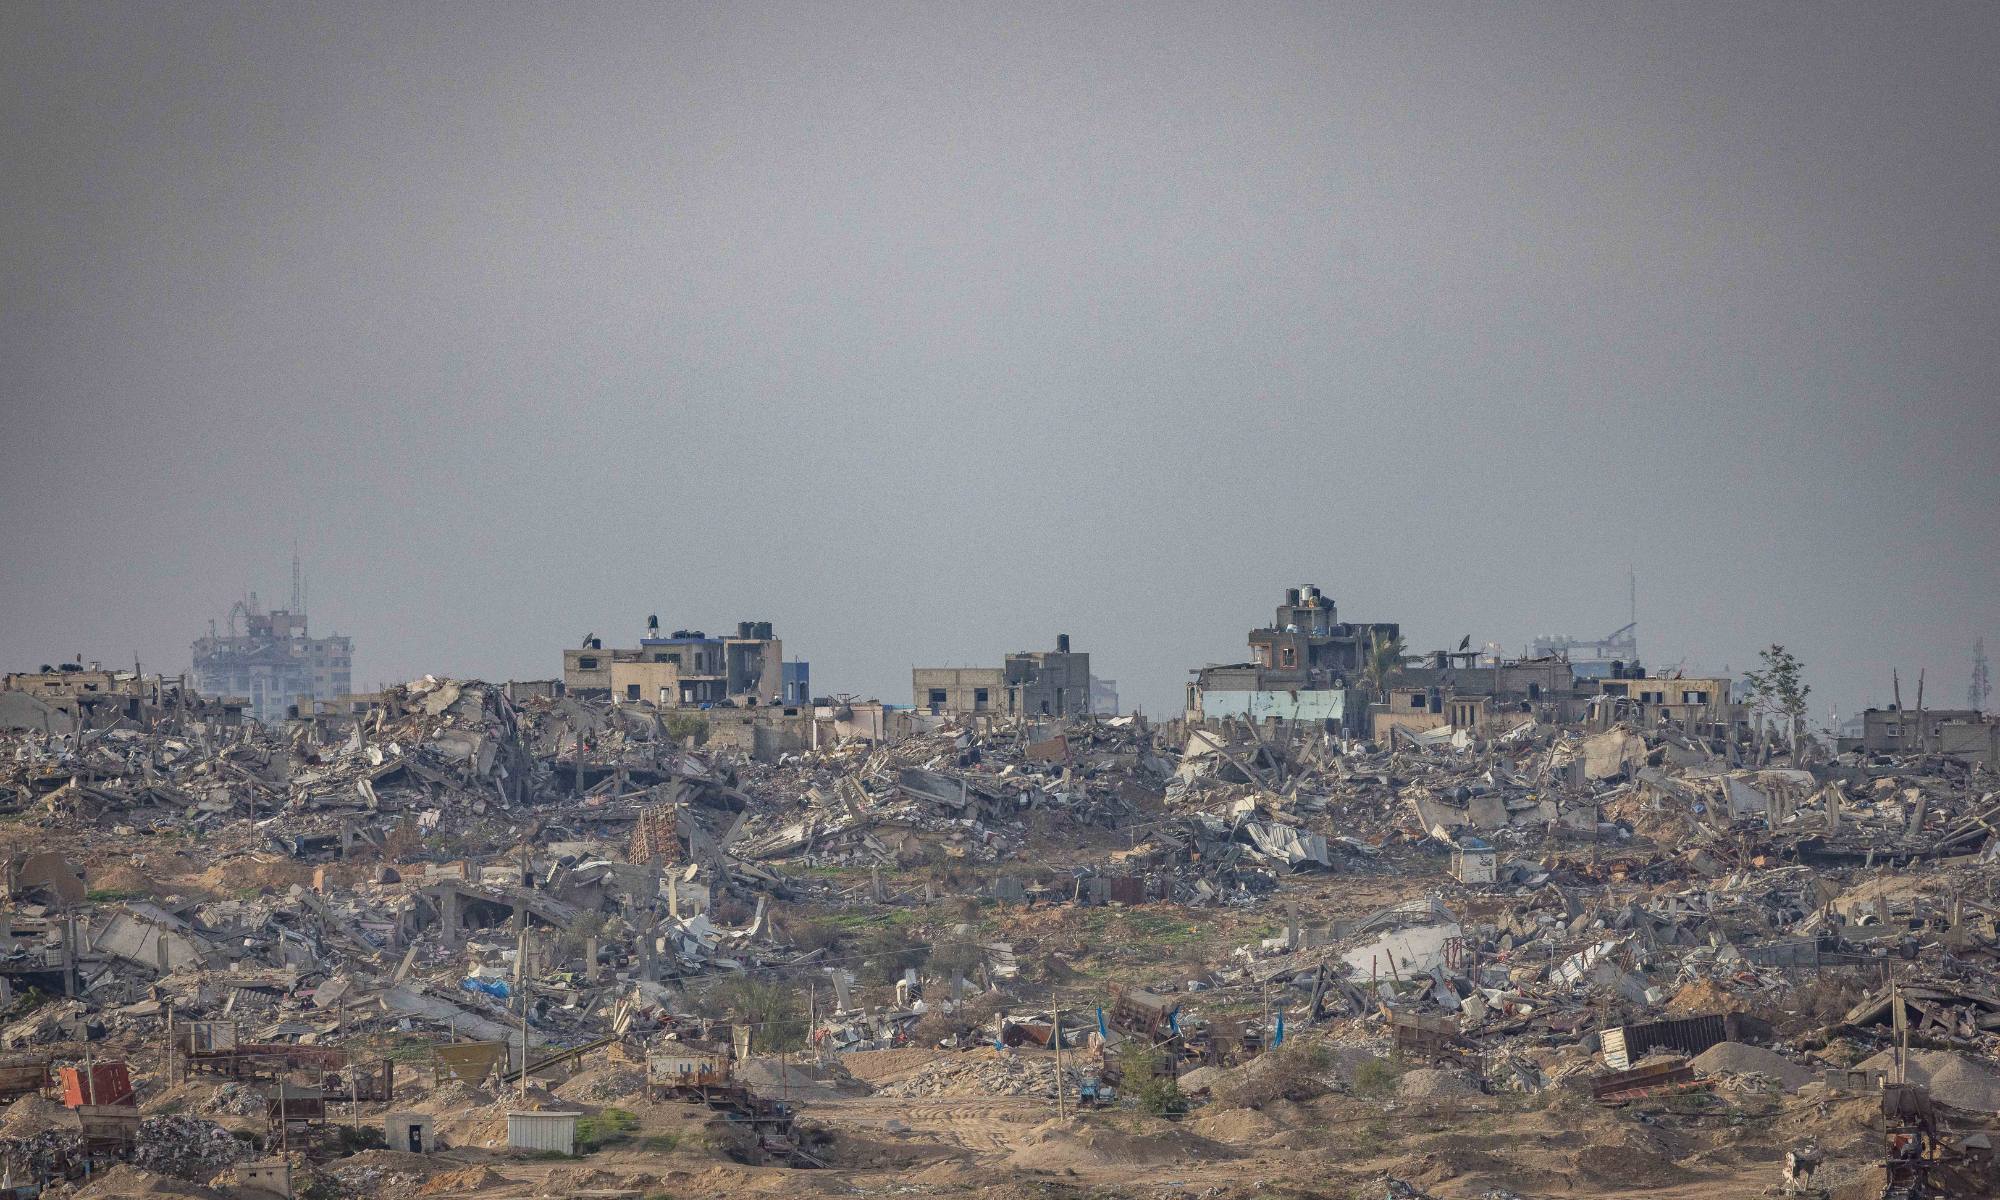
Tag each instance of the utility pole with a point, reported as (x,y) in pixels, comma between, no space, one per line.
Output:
(521,979)
(1056,1036)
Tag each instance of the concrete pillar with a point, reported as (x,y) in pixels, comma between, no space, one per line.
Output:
(448,916)
(649,964)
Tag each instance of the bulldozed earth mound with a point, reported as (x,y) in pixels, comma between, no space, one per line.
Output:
(461,1181)
(1064,1146)
(126,1182)
(1736,1058)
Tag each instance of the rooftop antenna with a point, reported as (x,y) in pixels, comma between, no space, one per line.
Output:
(297,598)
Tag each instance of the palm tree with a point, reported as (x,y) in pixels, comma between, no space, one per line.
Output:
(1384,662)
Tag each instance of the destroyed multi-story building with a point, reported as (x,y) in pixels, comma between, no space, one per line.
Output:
(1303,665)
(1465,690)
(71,692)
(690,668)
(1034,683)
(272,662)
(958,690)
(1689,701)
(1961,732)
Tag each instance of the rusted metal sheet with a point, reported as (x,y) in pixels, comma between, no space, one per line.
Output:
(470,1062)
(109,1083)
(108,1126)
(23,1077)
(1623,1085)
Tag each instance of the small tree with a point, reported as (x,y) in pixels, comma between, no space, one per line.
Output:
(1139,1075)
(774,1010)
(1776,691)
(1980,690)
(887,951)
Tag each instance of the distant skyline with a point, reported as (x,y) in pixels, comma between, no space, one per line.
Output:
(929,332)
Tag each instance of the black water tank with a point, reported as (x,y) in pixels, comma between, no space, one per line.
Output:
(1062,643)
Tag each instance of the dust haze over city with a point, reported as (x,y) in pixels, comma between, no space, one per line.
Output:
(931,333)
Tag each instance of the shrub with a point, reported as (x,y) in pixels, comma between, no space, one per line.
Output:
(1293,1071)
(1377,1077)
(606,1127)
(887,951)
(681,726)
(809,934)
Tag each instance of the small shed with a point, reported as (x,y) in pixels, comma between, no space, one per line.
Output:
(546,1131)
(273,1176)
(1473,861)
(410,1132)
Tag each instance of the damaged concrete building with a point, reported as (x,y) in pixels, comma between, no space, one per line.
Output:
(1303,667)
(1033,683)
(690,668)
(1961,732)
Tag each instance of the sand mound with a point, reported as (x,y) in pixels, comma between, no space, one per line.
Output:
(243,872)
(122,879)
(1629,1167)
(126,1180)
(1953,1078)
(799,1081)
(31,1115)
(874,1066)
(465,1179)
(1701,997)
(1430,1083)
(1235,1126)
(1736,1058)
(1060,1146)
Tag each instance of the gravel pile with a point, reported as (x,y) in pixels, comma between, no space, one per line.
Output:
(186,1147)
(1737,1058)
(1953,1079)
(1431,1083)
(968,1076)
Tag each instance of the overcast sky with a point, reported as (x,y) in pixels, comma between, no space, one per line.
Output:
(930,331)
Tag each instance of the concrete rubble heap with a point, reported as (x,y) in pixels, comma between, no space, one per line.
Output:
(552,876)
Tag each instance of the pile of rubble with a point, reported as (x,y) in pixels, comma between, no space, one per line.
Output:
(984,1073)
(187,1147)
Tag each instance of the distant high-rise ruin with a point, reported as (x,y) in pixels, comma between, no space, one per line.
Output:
(271,662)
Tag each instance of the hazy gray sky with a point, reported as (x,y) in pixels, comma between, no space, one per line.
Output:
(930,331)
